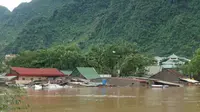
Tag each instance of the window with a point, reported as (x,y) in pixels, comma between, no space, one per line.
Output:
(23,78)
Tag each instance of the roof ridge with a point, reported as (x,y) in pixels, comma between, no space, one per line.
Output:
(32,68)
(37,71)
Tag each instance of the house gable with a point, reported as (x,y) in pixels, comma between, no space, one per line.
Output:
(75,73)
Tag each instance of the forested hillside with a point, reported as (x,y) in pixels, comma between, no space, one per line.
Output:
(4,15)
(4,12)
(12,23)
(160,27)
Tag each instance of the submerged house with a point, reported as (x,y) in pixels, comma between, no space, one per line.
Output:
(26,75)
(85,73)
(173,76)
(168,75)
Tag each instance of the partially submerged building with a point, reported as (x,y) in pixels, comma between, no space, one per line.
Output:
(173,76)
(27,75)
(85,73)
(168,75)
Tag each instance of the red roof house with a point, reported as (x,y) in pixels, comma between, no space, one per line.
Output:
(27,75)
(35,72)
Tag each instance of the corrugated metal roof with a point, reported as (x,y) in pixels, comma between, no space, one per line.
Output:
(37,71)
(88,72)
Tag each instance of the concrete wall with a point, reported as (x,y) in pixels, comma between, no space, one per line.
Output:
(22,81)
(25,80)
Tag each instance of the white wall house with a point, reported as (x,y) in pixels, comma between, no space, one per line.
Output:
(171,61)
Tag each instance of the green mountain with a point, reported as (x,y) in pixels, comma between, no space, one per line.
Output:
(159,27)
(16,21)
(4,12)
(4,15)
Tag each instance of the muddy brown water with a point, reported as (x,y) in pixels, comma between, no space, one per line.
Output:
(114,100)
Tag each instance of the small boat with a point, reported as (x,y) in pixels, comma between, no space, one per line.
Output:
(159,86)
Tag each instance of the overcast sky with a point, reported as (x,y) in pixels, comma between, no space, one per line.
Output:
(11,4)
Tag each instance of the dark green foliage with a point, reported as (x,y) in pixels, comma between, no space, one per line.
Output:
(42,31)
(192,68)
(4,13)
(160,27)
(13,24)
(59,57)
(106,59)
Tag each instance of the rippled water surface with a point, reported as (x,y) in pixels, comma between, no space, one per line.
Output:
(115,100)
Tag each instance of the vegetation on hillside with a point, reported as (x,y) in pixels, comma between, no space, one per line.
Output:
(159,27)
(192,68)
(106,59)
(12,24)
(4,12)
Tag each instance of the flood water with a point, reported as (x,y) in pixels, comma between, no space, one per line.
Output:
(115,100)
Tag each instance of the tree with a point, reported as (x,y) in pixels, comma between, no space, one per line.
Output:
(116,57)
(192,68)
(61,57)
(135,64)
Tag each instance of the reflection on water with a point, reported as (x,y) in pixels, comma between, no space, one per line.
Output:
(115,100)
